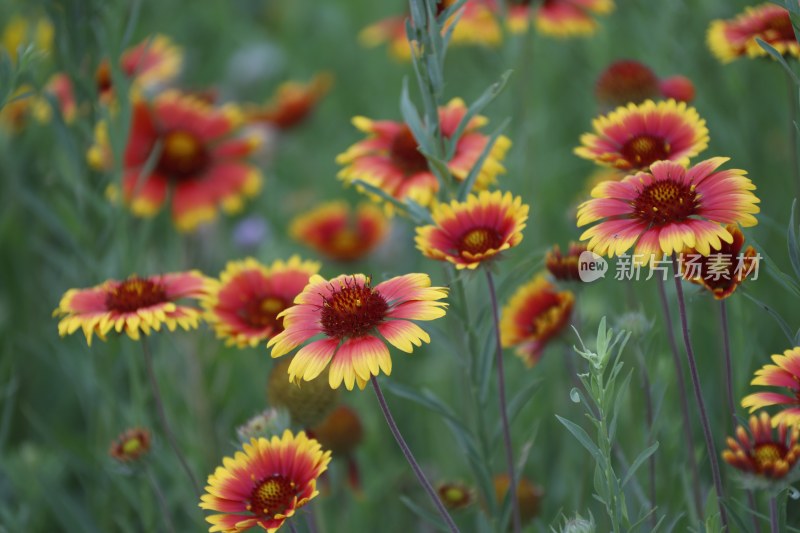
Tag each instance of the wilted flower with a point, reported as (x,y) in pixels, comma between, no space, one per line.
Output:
(131,445)
(265,424)
(762,454)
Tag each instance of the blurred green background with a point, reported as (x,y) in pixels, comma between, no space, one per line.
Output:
(62,403)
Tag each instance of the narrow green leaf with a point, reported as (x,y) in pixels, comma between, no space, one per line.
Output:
(774,314)
(425,514)
(466,186)
(369,189)
(642,457)
(612,427)
(412,118)
(477,106)
(778,56)
(583,437)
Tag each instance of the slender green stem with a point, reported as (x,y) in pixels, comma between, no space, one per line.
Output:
(774,522)
(387,414)
(148,360)
(698,394)
(684,398)
(793,101)
(726,344)
(162,501)
(501,392)
(291,526)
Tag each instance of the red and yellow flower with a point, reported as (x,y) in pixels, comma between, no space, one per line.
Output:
(529,496)
(477,230)
(535,314)
(564,267)
(292,103)
(130,445)
(58,87)
(243,306)
(477,24)
(636,136)
(564,18)
(136,305)
(762,453)
(337,232)
(735,38)
(724,269)
(154,62)
(388,158)
(265,483)
(202,164)
(349,313)
(668,209)
(785,373)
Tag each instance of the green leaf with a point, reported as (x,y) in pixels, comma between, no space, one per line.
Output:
(642,457)
(612,428)
(370,189)
(425,514)
(583,437)
(466,186)
(778,56)
(412,118)
(477,106)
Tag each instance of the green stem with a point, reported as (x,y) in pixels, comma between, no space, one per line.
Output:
(501,392)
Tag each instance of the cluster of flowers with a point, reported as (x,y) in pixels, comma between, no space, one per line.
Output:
(655,202)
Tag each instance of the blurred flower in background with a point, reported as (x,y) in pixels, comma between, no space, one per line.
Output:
(341,432)
(308,403)
(264,484)
(734,38)
(564,267)
(456,495)
(20,31)
(762,453)
(243,306)
(292,103)
(566,18)
(389,159)
(470,233)
(265,424)
(251,232)
(337,232)
(627,81)
(202,165)
(528,495)
(131,445)
(136,305)
(535,314)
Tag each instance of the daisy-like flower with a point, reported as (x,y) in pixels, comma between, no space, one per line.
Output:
(130,445)
(136,305)
(529,495)
(202,162)
(564,267)
(636,136)
(762,453)
(469,233)
(349,313)
(668,209)
(735,38)
(338,233)
(292,104)
(535,314)
(785,373)
(724,269)
(264,484)
(154,62)
(627,81)
(477,25)
(389,159)
(58,87)
(570,18)
(243,306)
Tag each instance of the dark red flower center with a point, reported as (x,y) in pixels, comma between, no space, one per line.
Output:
(102,77)
(766,455)
(262,313)
(626,81)
(480,240)
(352,310)
(643,150)
(135,293)
(404,153)
(183,155)
(274,495)
(665,202)
(779,28)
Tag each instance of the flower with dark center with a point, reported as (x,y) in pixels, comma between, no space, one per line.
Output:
(637,135)
(762,453)
(472,232)
(264,484)
(564,267)
(784,374)
(535,314)
(567,18)
(737,37)
(389,159)
(131,445)
(355,321)
(202,165)
(243,306)
(136,305)
(667,210)
(339,232)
